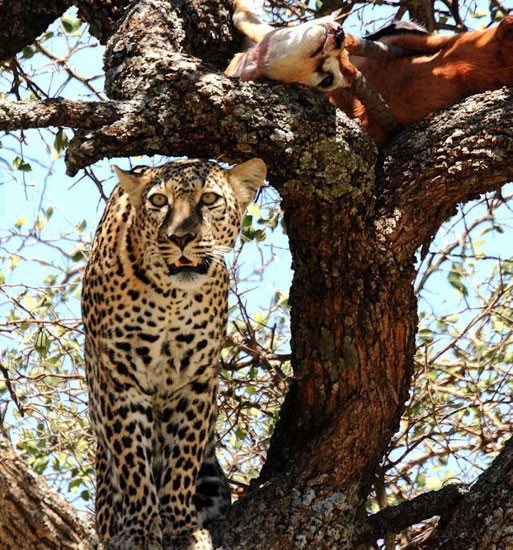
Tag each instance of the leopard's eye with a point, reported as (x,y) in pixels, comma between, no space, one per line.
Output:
(209,198)
(158,199)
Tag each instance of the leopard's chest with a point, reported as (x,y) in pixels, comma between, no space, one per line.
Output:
(170,341)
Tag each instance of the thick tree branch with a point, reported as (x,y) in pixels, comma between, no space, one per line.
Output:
(258,119)
(396,518)
(483,517)
(453,156)
(31,515)
(22,115)
(151,57)
(22,22)
(103,17)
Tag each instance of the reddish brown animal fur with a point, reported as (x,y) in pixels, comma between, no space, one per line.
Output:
(414,87)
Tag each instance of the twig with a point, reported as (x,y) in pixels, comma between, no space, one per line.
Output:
(10,389)
(63,62)
(500,6)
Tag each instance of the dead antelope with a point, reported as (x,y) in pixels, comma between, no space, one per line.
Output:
(396,76)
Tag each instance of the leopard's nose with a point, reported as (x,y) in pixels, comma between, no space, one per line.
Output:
(182,240)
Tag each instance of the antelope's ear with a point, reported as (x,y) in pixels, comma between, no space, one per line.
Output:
(245,65)
(246,178)
(132,181)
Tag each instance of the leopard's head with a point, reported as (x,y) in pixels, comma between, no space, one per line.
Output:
(188,214)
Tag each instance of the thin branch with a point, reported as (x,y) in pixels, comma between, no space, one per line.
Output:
(10,389)
(72,74)
(500,6)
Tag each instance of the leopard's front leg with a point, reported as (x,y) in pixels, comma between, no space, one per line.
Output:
(126,505)
(185,427)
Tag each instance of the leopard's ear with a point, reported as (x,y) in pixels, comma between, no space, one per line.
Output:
(132,181)
(246,178)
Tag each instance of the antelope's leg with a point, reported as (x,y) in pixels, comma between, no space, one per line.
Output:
(376,106)
(246,18)
(377,50)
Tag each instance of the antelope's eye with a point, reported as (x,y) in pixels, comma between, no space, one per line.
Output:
(209,198)
(327,81)
(158,199)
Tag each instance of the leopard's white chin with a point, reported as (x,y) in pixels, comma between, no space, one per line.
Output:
(188,275)
(189,280)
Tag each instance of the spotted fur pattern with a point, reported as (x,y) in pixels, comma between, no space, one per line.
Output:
(154,308)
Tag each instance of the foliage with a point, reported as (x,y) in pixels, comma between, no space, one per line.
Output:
(368,16)
(459,412)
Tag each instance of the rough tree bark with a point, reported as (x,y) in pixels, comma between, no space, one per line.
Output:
(354,219)
(22,22)
(32,516)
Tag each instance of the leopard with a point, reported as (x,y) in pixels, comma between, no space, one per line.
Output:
(154,307)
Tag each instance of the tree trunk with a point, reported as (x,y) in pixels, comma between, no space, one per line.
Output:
(355,221)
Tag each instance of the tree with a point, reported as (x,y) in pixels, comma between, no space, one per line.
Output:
(355,218)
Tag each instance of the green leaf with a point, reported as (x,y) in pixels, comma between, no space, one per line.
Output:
(41,221)
(478,14)
(19,164)
(39,464)
(497,228)
(426,335)
(70,25)
(46,36)
(28,51)
(74,483)
(42,343)
(61,141)
(247,221)
(67,23)
(78,254)
(227,375)
(254,210)
(81,226)
(456,280)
